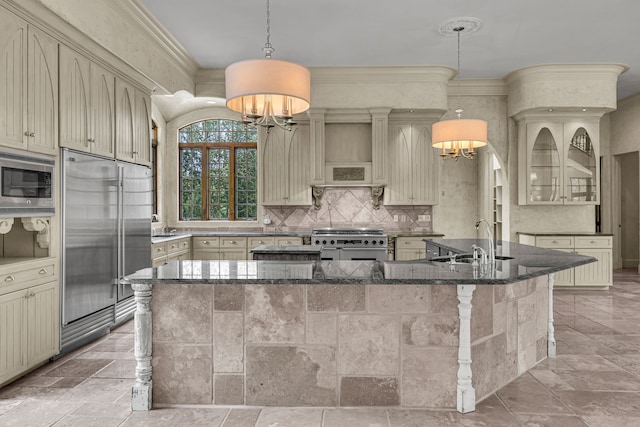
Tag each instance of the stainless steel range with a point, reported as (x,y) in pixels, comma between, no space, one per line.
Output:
(350,244)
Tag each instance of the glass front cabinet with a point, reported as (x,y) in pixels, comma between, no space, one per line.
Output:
(558,162)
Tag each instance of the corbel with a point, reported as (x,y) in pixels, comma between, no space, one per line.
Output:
(5,225)
(41,225)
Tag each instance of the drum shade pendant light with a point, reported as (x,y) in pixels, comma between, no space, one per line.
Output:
(267,92)
(459,137)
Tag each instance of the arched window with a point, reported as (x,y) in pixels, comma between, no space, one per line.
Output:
(218,171)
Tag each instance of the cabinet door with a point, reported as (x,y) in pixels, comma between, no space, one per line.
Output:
(102,111)
(298,167)
(13,334)
(233,254)
(42,92)
(425,167)
(75,92)
(288,241)
(582,168)
(564,277)
(142,127)
(199,254)
(253,242)
(398,192)
(597,273)
(544,172)
(274,168)
(414,166)
(43,322)
(13,81)
(125,134)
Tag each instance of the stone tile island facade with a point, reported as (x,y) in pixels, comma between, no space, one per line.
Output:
(340,345)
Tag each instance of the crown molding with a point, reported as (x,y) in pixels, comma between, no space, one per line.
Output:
(381,74)
(139,17)
(478,87)
(571,71)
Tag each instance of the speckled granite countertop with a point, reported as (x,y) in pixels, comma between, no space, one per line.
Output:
(535,233)
(527,262)
(178,235)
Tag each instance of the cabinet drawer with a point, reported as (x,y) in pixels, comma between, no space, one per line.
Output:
(206,242)
(178,246)
(593,242)
(158,250)
(28,274)
(555,242)
(252,242)
(289,240)
(233,242)
(410,243)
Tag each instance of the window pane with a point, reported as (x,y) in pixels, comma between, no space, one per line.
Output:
(218,183)
(246,176)
(190,178)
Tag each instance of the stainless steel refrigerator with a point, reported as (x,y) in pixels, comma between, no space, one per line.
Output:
(106,234)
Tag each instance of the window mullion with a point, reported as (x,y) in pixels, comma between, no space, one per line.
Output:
(205,183)
(232,183)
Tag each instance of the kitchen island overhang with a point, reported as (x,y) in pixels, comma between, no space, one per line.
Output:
(342,333)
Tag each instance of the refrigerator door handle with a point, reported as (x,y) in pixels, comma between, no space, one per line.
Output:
(120,226)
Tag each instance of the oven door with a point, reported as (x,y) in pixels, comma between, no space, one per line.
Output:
(363,254)
(330,254)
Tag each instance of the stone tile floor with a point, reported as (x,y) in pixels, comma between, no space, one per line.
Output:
(594,381)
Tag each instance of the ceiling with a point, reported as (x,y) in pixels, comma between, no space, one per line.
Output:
(514,34)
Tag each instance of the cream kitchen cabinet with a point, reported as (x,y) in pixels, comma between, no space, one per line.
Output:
(133,124)
(285,166)
(233,248)
(206,247)
(28,86)
(30,313)
(414,166)
(558,161)
(254,242)
(175,249)
(87,106)
(408,248)
(288,241)
(597,274)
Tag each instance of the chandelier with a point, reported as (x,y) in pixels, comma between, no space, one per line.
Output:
(268,92)
(459,137)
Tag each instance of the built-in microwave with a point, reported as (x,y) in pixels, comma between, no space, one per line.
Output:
(26,185)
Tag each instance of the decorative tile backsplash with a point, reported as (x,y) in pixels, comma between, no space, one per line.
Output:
(348,207)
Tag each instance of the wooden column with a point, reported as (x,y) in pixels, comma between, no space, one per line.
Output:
(466,394)
(141,393)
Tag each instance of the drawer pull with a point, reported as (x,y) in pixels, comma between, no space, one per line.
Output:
(205,242)
(233,242)
(593,242)
(555,242)
(43,271)
(158,249)
(173,246)
(9,279)
(407,243)
(260,242)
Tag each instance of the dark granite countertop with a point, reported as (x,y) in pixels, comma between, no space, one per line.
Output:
(282,249)
(536,233)
(178,235)
(527,262)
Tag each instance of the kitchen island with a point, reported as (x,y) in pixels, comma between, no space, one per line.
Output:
(414,334)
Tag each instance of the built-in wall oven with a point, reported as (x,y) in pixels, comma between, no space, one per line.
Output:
(351,244)
(26,185)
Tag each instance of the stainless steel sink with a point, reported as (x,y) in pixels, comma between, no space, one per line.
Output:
(466,258)
(164,235)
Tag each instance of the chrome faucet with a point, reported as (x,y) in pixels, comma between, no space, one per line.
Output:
(492,251)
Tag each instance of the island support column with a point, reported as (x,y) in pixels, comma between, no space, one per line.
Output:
(141,392)
(551,338)
(466,394)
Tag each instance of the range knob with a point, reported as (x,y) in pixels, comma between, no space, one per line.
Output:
(382,242)
(333,242)
(366,242)
(373,241)
(324,242)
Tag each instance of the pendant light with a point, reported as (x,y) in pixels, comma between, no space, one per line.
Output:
(268,92)
(459,137)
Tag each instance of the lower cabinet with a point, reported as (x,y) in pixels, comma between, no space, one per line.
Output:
(163,252)
(596,274)
(30,326)
(408,248)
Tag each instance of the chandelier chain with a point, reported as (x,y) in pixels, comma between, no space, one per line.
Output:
(459,109)
(268,49)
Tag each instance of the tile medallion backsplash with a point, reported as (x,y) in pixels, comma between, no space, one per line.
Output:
(348,207)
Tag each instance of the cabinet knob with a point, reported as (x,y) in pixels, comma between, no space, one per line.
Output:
(173,246)
(32,134)
(554,242)
(593,242)
(205,242)
(135,152)
(233,242)
(260,242)
(9,279)
(158,249)
(43,271)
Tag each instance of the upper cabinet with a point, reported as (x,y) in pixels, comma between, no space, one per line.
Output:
(133,124)
(559,162)
(86,105)
(29,86)
(413,165)
(285,167)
